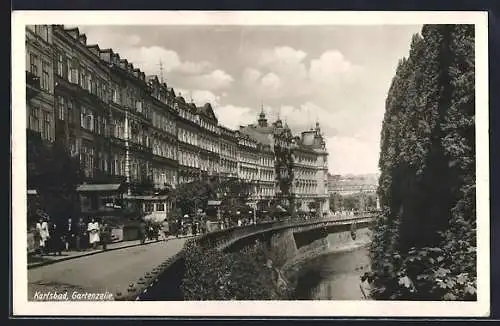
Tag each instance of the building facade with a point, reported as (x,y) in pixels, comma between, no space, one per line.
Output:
(228,166)
(352,184)
(208,141)
(188,129)
(310,166)
(132,129)
(164,135)
(81,99)
(40,113)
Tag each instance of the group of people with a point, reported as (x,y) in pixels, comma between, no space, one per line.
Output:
(54,237)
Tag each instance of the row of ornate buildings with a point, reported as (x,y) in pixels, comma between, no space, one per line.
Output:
(124,125)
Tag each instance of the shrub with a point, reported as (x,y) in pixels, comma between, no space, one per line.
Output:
(213,275)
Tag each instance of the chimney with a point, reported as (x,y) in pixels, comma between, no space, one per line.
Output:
(83,39)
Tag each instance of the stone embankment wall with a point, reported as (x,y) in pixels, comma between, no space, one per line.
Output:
(333,243)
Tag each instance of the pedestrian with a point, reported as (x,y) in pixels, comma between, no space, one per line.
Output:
(93,230)
(79,232)
(69,234)
(56,238)
(165,228)
(105,235)
(194,228)
(42,228)
(142,231)
(82,237)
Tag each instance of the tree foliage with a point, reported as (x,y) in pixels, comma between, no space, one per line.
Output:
(197,193)
(54,173)
(424,244)
(356,201)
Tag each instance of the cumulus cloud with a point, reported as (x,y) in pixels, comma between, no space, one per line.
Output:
(289,75)
(199,96)
(251,75)
(350,155)
(352,141)
(214,80)
(332,68)
(232,116)
(271,82)
(185,73)
(193,68)
(282,56)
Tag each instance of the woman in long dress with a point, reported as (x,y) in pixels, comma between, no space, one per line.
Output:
(42,227)
(93,229)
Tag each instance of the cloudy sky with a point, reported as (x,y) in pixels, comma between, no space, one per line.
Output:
(337,75)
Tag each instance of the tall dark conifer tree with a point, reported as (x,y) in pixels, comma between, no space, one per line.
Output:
(427,160)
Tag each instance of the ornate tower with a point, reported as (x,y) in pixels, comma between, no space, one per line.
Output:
(262,118)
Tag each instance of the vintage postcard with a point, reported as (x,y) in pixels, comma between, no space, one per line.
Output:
(266,163)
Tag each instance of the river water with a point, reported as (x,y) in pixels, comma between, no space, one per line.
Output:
(334,276)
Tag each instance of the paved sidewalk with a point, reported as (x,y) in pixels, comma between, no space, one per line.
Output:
(37,260)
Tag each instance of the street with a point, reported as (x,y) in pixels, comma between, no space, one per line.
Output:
(106,271)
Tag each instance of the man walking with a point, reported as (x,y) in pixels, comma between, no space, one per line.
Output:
(105,235)
(80,233)
(69,234)
(165,229)
(142,231)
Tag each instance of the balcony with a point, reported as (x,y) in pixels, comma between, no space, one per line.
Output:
(32,85)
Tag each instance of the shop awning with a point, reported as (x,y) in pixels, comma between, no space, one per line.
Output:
(98,187)
(146,197)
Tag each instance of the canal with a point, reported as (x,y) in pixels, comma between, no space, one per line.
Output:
(334,276)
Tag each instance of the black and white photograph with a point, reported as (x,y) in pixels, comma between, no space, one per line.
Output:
(265,163)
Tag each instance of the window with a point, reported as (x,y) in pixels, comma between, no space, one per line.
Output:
(71,118)
(88,81)
(60,65)
(138,105)
(74,72)
(148,207)
(46,126)
(45,76)
(104,95)
(160,207)
(86,119)
(93,85)
(60,108)
(89,122)
(104,127)
(115,94)
(72,146)
(98,86)
(83,78)
(35,119)
(34,64)
(83,112)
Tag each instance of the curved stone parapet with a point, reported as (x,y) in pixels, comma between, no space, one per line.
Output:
(223,239)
